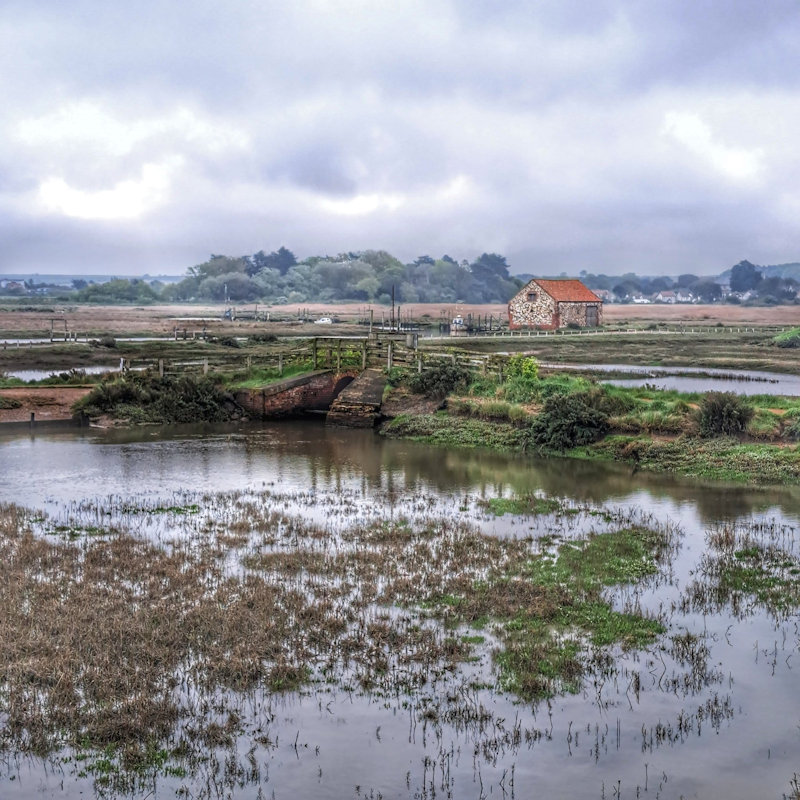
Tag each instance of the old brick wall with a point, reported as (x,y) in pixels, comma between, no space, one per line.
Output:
(294,396)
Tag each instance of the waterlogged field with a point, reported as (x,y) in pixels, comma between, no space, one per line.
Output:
(292,611)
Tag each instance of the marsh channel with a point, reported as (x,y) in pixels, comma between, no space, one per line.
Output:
(708,708)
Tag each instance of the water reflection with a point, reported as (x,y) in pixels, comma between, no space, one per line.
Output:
(307,455)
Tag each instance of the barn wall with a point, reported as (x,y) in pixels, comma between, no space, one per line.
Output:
(538,314)
(576,313)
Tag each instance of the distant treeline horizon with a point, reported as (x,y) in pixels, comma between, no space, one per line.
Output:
(376,276)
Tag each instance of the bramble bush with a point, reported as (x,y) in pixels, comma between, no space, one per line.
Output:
(439,380)
(723,414)
(567,421)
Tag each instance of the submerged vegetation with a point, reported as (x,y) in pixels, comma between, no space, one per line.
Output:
(127,669)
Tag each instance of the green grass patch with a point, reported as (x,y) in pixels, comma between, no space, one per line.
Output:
(546,612)
(719,459)
(527,504)
(444,429)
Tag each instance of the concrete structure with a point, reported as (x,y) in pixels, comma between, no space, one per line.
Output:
(358,405)
(552,304)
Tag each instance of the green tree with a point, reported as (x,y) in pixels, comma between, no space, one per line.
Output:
(745,276)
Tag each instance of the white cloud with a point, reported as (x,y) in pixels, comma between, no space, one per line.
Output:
(128,199)
(90,126)
(697,136)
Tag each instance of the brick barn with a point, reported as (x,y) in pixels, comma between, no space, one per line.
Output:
(552,304)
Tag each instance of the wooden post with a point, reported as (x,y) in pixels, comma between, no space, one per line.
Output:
(371,312)
(338,355)
(205,366)
(364,350)
(280,364)
(314,351)
(160,367)
(249,364)
(389,355)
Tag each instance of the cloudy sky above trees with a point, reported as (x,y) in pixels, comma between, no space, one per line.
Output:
(658,136)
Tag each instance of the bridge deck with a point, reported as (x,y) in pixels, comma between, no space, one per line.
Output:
(358,404)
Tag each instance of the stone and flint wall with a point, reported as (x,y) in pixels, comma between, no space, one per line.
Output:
(547,313)
(576,312)
(539,313)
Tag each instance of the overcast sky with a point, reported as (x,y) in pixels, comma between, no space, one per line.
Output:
(658,136)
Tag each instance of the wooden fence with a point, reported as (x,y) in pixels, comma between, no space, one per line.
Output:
(338,353)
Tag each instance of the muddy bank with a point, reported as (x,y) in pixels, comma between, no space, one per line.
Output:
(47,403)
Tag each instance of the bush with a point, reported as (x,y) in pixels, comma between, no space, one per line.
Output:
(522,366)
(439,380)
(723,413)
(789,338)
(567,421)
(143,397)
(396,375)
(611,403)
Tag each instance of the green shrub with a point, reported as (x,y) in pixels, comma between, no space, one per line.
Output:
(567,421)
(484,387)
(439,380)
(522,366)
(520,389)
(396,375)
(144,397)
(790,338)
(723,413)
(611,403)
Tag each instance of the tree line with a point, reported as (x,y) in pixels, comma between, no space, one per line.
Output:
(372,276)
(376,276)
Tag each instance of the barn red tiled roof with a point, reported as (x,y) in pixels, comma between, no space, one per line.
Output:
(568,291)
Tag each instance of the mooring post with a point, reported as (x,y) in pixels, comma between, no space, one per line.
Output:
(33,418)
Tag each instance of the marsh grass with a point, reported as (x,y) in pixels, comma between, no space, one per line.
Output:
(748,567)
(138,652)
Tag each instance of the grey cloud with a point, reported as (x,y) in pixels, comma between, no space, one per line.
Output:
(532,129)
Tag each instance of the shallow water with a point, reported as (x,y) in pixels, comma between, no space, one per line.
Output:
(699,379)
(732,732)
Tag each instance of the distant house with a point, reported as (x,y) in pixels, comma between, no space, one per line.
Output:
(665,296)
(552,304)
